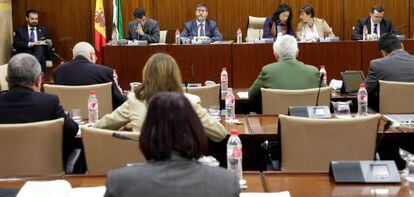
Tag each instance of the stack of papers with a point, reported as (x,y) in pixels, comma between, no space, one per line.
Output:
(58,188)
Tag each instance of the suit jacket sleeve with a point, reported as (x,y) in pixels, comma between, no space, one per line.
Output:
(186,31)
(19,43)
(357,32)
(328,30)
(153,36)
(254,91)
(216,34)
(371,82)
(392,28)
(117,119)
(267,28)
(131,31)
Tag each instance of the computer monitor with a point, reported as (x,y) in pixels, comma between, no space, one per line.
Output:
(351,81)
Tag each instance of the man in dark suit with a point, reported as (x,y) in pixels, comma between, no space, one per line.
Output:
(24,103)
(201,27)
(396,65)
(82,70)
(33,39)
(143,28)
(375,23)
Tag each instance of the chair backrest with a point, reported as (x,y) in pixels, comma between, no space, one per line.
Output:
(209,95)
(76,97)
(276,101)
(163,36)
(3,74)
(31,149)
(255,27)
(308,145)
(396,97)
(103,152)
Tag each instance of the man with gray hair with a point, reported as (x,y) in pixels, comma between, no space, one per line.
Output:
(82,70)
(24,103)
(287,73)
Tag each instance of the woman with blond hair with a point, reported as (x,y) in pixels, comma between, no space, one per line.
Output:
(160,74)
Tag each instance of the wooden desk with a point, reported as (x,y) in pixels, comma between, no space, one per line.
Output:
(319,184)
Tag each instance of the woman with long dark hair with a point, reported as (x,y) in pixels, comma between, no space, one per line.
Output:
(279,23)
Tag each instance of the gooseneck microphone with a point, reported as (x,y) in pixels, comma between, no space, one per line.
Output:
(186,85)
(192,70)
(319,90)
(385,128)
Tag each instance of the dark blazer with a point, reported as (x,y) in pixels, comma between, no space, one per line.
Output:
(23,105)
(191,30)
(267,29)
(21,42)
(397,66)
(385,27)
(81,71)
(177,177)
(151,31)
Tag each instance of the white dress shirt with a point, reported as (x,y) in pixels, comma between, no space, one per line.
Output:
(372,28)
(34,30)
(310,34)
(199,27)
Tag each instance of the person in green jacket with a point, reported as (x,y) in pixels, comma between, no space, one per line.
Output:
(287,73)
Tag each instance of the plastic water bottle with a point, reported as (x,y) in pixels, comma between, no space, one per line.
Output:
(116,80)
(365,33)
(362,100)
(234,154)
(322,72)
(230,106)
(177,37)
(93,107)
(224,80)
(239,36)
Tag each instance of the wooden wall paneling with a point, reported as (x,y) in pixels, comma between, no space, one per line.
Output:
(18,13)
(331,11)
(168,18)
(230,18)
(398,12)
(411,13)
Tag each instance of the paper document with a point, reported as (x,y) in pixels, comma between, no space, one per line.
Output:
(336,84)
(58,188)
(243,95)
(273,194)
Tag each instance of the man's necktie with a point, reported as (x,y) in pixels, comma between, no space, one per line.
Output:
(32,35)
(375,29)
(202,30)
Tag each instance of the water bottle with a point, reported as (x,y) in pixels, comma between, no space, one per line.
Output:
(323,73)
(224,80)
(92,107)
(116,80)
(234,154)
(177,37)
(230,106)
(365,33)
(239,36)
(362,100)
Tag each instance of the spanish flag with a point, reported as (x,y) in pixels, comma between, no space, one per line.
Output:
(100,31)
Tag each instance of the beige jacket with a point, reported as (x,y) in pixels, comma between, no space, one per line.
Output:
(134,111)
(321,25)
(3,74)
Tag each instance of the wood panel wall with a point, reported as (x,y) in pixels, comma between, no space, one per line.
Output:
(71,21)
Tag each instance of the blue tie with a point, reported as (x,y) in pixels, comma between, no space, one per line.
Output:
(32,35)
(375,28)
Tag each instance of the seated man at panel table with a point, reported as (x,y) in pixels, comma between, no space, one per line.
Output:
(33,39)
(201,27)
(288,73)
(82,70)
(395,65)
(143,28)
(24,102)
(376,16)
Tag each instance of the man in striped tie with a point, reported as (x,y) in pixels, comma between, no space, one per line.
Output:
(33,38)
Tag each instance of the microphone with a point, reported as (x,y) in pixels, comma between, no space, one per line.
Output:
(319,89)
(323,31)
(401,26)
(186,85)
(192,70)
(386,127)
(122,136)
(58,56)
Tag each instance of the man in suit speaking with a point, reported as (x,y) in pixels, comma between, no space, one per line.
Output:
(201,28)
(33,39)
(143,28)
(376,24)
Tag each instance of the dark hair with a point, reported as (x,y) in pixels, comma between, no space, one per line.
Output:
(201,5)
(31,11)
(388,42)
(377,8)
(172,125)
(139,13)
(308,9)
(280,9)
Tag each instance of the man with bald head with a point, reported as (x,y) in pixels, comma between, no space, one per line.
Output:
(82,70)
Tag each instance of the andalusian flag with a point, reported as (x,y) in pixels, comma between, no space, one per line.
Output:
(117,27)
(100,31)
